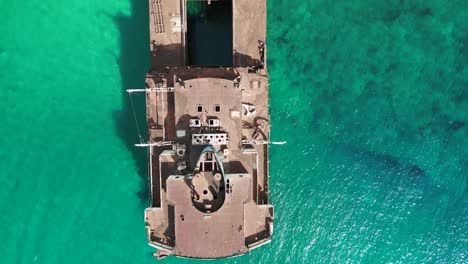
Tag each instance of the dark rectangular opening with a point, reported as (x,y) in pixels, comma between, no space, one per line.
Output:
(208,166)
(209,33)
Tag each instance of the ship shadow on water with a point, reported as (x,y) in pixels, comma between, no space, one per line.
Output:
(134,63)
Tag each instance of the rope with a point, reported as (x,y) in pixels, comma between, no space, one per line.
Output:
(136,120)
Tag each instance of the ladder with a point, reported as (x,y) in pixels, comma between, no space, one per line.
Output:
(156,11)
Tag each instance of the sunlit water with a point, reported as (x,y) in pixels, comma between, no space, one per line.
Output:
(372,97)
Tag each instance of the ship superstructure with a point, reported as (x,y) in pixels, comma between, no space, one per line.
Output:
(208,126)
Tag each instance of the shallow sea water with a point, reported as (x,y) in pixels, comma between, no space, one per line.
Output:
(372,97)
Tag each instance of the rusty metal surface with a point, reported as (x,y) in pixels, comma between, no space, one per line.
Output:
(194,212)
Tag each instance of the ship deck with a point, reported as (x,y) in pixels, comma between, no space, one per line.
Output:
(168,47)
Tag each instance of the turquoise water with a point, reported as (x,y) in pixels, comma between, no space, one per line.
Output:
(372,97)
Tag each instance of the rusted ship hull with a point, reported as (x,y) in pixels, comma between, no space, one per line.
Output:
(208,130)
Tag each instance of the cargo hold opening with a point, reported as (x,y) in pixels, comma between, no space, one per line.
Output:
(209,33)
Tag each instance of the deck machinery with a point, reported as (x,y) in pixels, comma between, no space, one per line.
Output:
(208,128)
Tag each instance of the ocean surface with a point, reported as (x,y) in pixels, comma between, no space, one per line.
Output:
(372,97)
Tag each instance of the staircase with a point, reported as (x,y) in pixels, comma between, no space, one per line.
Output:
(156,12)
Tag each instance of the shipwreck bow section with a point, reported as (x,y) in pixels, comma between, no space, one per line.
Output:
(208,126)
